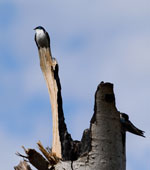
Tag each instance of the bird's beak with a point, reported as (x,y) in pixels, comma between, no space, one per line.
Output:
(34,29)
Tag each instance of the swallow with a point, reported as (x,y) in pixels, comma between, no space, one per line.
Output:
(41,37)
(128,125)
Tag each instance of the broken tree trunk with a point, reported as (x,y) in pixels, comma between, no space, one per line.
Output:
(103,141)
(108,151)
(48,67)
(102,146)
(62,144)
(105,138)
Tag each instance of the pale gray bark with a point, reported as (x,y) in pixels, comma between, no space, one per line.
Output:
(102,146)
(108,152)
(107,145)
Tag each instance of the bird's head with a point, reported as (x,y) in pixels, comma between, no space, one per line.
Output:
(39,29)
(124,117)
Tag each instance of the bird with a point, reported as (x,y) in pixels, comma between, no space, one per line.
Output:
(128,125)
(41,38)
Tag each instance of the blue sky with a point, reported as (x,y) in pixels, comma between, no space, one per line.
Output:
(93,41)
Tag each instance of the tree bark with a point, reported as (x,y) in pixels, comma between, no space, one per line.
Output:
(107,150)
(102,146)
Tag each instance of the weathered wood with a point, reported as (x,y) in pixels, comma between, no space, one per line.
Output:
(63,145)
(108,151)
(48,65)
(36,159)
(102,146)
(50,156)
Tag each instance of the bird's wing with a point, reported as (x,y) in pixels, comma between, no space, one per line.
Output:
(131,128)
(36,40)
(48,39)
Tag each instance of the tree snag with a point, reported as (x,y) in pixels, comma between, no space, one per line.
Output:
(102,146)
(48,67)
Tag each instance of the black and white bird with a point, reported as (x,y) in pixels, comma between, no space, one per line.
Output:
(128,126)
(42,40)
(41,37)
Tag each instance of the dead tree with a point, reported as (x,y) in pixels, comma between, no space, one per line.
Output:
(102,146)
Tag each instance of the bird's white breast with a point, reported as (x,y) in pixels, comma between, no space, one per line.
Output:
(40,34)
